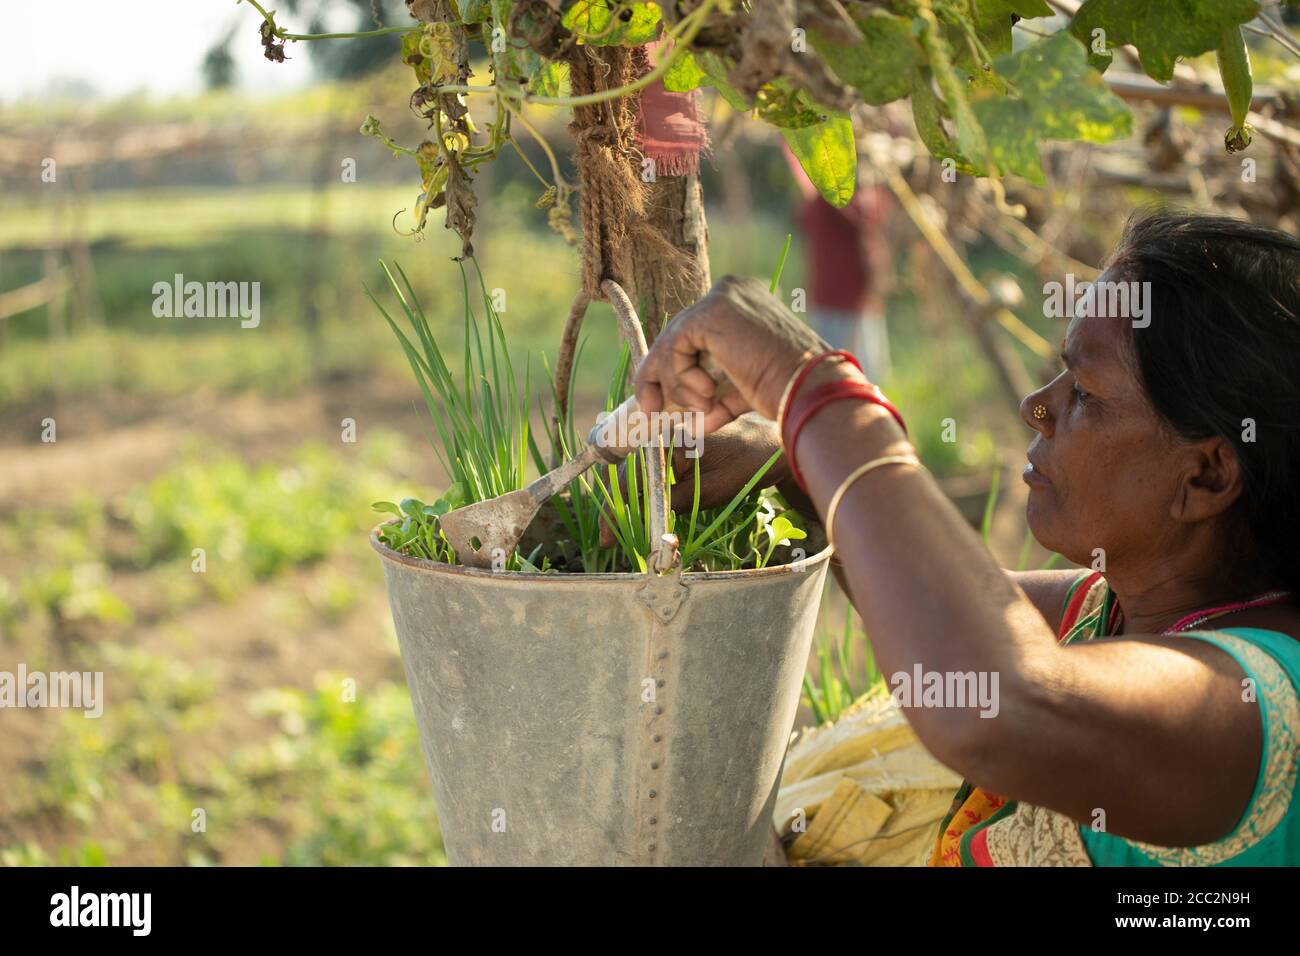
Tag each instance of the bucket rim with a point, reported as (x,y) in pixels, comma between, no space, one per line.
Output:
(433,567)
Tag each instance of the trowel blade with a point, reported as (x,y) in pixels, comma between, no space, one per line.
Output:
(496,524)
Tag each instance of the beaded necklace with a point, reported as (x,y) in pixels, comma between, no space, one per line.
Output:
(1194,620)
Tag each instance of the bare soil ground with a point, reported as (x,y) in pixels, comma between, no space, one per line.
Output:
(109,446)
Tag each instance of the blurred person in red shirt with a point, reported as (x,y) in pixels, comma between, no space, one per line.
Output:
(848,265)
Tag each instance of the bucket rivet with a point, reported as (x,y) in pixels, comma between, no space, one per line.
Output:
(657,738)
(652,847)
(654,820)
(654,793)
(659,710)
(660,682)
(654,764)
(663,654)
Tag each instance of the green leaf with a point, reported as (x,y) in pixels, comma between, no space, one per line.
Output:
(510,60)
(454,496)
(1100,60)
(953,86)
(684,74)
(474,11)
(546,78)
(637,23)
(1162,30)
(514,61)
(780,104)
(412,506)
(1025,9)
(1057,97)
(992,20)
(690,72)
(988,23)
(783,531)
(828,154)
(387,507)
(413,58)
(715,69)
(927,113)
(789,532)
(883,67)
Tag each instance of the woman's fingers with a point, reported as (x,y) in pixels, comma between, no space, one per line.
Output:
(751,338)
(655,379)
(694,381)
(671,374)
(688,398)
(649,395)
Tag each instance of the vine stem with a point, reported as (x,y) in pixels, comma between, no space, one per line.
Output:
(385,31)
(1277,30)
(690,27)
(541,141)
(529,163)
(282,34)
(610,27)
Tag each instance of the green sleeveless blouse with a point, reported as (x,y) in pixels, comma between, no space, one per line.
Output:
(1268,833)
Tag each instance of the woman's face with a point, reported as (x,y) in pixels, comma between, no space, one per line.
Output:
(1102,471)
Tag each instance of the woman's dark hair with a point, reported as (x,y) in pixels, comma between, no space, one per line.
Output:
(1222,350)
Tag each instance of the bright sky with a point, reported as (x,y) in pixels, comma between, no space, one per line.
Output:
(128,45)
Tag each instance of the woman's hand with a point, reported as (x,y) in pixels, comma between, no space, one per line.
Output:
(752,337)
(729,458)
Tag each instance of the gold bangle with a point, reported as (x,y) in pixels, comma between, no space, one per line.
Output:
(854,475)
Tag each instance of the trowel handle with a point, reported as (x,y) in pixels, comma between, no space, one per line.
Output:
(613,435)
(624,430)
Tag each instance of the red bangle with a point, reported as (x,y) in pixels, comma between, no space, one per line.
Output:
(819,398)
(783,412)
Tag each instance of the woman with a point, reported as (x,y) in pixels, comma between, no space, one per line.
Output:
(1147,713)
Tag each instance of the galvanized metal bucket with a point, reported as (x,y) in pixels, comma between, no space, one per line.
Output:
(604,719)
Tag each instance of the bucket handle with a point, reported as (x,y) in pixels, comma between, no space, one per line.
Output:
(663,554)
